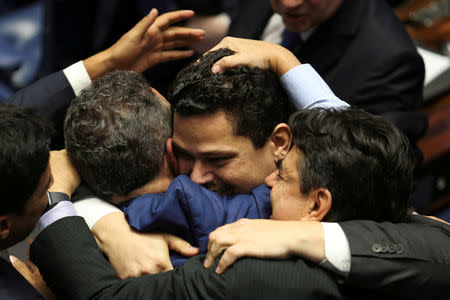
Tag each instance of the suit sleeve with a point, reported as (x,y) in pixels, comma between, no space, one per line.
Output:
(50,95)
(191,211)
(411,259)
(74,268)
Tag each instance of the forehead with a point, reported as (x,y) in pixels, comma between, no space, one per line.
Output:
(207,133)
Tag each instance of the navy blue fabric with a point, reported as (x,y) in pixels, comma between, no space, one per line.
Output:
(291,40)
(191,212)
(13,285)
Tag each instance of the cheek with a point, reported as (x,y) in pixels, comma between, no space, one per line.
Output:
(185,166)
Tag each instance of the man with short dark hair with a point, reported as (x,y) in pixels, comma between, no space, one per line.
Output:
(25,178)
(247,102)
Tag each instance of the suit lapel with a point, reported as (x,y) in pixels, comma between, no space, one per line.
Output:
(13,285)
(336,34)
(253,18)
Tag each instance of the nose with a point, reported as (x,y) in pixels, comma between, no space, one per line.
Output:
(271,179)
(201,174)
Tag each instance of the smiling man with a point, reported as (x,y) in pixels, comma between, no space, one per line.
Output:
(359,47)
(225,126)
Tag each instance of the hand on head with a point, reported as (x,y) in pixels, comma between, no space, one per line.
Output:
(252,53)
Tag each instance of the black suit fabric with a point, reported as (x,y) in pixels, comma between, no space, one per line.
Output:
(362,52)
(50,96)
(13,286)
(406,260)
(74,268)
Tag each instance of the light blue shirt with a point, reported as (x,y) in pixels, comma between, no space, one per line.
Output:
(306,89)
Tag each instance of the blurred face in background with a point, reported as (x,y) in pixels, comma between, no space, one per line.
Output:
(302,15)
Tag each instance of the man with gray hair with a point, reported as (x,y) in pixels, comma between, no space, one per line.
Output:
(116,133)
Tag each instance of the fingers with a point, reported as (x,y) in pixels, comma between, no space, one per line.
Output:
(177,33)
(181,246)
(165,20)
(141,27)
(229,62)
(228,258)
(19,265)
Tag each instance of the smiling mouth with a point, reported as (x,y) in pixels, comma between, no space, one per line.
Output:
(292,16)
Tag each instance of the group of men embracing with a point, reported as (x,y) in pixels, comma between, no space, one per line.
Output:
(248,133)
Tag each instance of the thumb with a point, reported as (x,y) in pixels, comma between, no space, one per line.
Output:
(181,246)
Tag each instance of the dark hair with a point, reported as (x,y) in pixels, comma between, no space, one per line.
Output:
(115,133)
(364,161)
(24,154)
(253,98)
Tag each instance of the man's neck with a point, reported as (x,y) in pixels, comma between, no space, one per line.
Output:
(158,185)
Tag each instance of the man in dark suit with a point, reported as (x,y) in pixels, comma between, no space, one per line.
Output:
(359,47)
(24,181)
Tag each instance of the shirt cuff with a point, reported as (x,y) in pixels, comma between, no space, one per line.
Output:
(306,89)
(78,77)
(337,250)
(93,209)
(61,210)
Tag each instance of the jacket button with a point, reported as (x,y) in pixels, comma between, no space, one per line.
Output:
(384,248)
(391,249)
(376,248)
(399,249)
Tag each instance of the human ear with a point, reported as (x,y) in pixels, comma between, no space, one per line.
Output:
(5,226)
(281,139)
(171,158)
(320,205)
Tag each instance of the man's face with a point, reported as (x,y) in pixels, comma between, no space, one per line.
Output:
(288,202)
(302,15)
(22,224)
(214,157)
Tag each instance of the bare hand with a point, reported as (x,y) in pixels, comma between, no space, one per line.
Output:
(254,53)
(65,177)
(264,239)
(432,217)
(31,273)
(133,253)
(149,42)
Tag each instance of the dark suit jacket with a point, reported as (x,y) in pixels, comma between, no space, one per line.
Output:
(51,96)
(362,52)
(406,260)
(74,268)
(13,286)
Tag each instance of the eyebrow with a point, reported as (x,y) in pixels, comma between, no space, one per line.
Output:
(216,153)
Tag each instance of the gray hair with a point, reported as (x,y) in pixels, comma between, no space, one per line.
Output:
(115,133)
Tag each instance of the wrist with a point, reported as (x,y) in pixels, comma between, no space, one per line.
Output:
(283,61)
(99,64)
(65,188)
(308,241)
(108,228)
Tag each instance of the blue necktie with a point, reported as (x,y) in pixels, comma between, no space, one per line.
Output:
(291,40)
